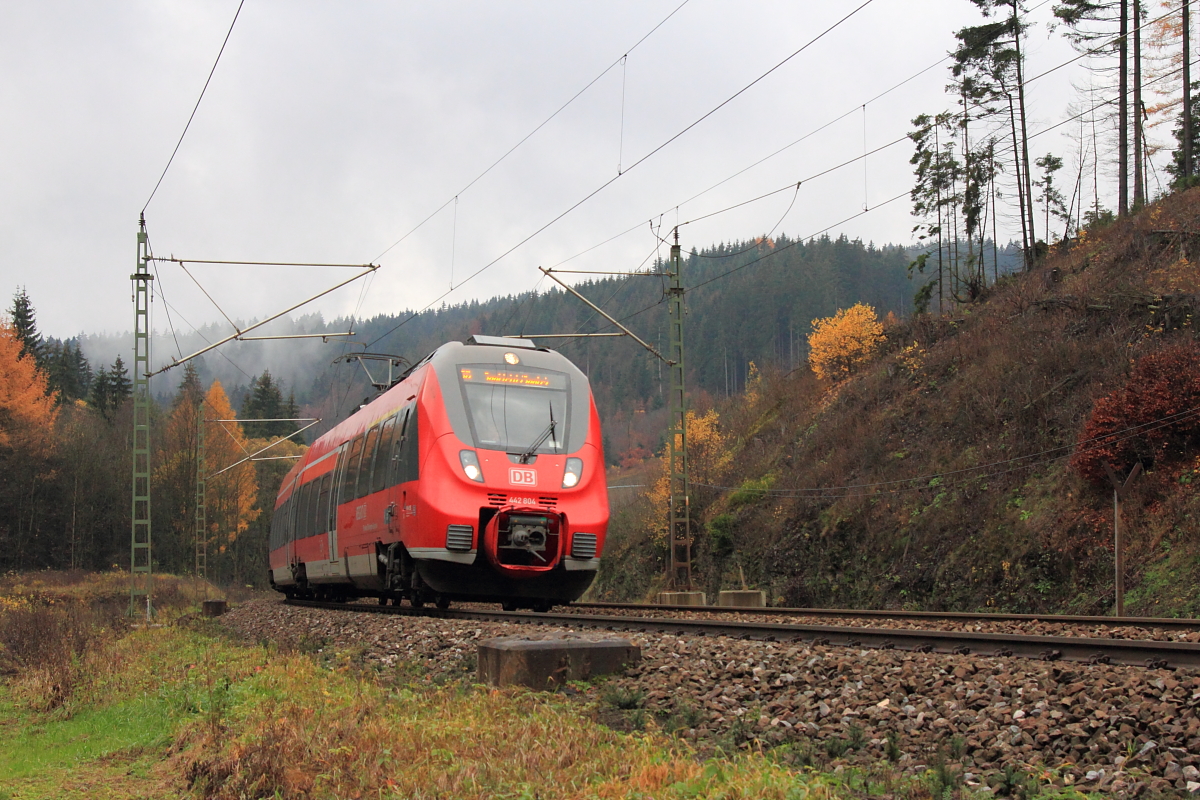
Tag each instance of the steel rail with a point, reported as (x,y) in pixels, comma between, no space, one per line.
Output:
(1169,623)
(1132,652)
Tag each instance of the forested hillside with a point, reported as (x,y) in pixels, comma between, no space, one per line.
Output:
(750,301)
(65,500)
(962,466)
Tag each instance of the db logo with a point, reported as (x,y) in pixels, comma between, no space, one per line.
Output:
(522,477)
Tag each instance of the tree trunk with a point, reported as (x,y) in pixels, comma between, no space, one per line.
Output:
(1026,246)
(1025,135)
(1139,182)
(1187,91)
(1123,114)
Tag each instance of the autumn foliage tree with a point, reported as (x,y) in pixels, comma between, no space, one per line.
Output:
(708,455)
(1151,419)
(233,493)
(839,344)
(27,417)
(175,476)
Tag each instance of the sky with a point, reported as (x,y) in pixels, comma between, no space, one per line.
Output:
(334,132)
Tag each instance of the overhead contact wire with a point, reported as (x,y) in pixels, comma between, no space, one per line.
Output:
(195,108)
(526,138)
(635,164)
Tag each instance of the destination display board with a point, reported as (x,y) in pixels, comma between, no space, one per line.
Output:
(509,377)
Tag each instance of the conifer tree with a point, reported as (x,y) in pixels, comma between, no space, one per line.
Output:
(99,398)
(190,390)
(988,63)
(1092,21)
(1051,198)
(68,370)
(24,322)
(265,401)
(120,388)
(1178,168)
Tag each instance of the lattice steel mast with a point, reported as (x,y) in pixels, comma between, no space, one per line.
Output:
(140,562)
(680,518)
(201,498)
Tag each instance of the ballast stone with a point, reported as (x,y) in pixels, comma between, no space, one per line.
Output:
(545,662)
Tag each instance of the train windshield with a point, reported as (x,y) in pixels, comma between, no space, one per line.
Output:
(518,411)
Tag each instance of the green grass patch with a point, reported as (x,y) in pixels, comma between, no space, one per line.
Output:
(30,745)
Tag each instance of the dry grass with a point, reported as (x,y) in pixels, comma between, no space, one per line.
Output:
(53,624)
(309,733)
(183,710)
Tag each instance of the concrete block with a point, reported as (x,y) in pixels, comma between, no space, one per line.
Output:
(213,608)
(545,662)
(742,598)
(682,599)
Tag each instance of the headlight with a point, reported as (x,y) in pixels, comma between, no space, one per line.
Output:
(470,465)
(573,473)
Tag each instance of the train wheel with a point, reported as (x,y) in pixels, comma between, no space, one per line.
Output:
(509,605)
(417,601)
(542,606)
(442,602)
(383,600)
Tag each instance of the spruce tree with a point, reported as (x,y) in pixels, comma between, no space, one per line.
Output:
(24,319)
(120,388)
(101,389)
(265,401)
(83,372)
(1176,168)
(190,390)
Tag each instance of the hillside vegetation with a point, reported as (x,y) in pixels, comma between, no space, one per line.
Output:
(962,467)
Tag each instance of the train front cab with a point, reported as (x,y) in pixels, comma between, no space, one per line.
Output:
(512,504)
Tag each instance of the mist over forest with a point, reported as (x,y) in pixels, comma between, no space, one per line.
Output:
(748,302)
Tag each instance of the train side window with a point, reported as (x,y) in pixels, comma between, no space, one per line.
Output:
(322,510)
(286,523)
(350,473)
(411,460)
(368,459)
(336,478)
(383,454)
(316,511)
(302,507)
(310,507)
(394,472)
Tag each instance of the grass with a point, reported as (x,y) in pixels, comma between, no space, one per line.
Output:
(30,746)
(185,711)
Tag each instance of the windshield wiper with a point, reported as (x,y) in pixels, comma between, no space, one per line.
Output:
(546,434)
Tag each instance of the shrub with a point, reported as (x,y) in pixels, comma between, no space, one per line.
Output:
(1152,407)
(720,531)
(43,645)
(752,491)
(839,344)
(622,698)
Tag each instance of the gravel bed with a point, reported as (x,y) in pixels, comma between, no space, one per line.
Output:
(1031,627)
(1123,730)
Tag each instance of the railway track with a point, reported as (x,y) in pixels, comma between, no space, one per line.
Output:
(1167,623)
(1134,652)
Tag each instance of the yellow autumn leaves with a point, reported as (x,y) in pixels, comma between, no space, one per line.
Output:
(839,344)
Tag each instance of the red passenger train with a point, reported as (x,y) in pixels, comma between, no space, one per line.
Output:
(479,476)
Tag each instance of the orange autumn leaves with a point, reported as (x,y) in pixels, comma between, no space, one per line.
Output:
(840,344)
(27,412)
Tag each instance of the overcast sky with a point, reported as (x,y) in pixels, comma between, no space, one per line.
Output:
(330,130)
